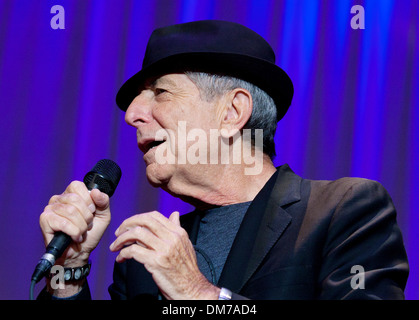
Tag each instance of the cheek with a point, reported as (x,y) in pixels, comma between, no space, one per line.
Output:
(169,115)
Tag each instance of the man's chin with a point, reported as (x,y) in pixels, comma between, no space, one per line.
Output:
(157,175)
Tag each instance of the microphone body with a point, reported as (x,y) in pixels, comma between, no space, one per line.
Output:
(104,176)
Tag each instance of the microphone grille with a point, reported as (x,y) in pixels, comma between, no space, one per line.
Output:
(104,176)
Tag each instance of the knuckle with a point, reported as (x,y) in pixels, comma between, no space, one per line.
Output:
(144,219)
(137,232)
(67,227)
(182,233)
(162,260)
(70,211)
(156,214)
(47,209)
(139,215)
(44,217)
(75,186)
(72,197)
(53,199)
(175,240)
(151,216)
(128,252)
(66,210)
(63,224)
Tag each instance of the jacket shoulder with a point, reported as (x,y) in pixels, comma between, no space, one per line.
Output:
(346,187)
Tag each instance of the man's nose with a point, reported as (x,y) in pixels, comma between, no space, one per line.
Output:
(139,111)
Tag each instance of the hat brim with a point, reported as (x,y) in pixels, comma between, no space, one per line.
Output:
(264,74)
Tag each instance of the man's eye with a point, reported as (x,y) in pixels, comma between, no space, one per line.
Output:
(159,91)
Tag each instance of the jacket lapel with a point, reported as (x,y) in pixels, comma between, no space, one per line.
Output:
(263,224)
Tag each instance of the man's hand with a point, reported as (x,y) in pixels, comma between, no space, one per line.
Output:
(82,215)
(164,248)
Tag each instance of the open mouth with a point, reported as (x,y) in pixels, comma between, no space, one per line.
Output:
(152,145)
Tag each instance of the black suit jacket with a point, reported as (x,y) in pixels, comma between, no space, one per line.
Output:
(303,239)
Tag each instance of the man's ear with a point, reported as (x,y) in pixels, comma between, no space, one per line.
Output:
(237,112)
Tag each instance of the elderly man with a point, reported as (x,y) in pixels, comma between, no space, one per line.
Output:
(258,232)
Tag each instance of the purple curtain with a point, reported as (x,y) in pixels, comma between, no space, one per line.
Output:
(355,111)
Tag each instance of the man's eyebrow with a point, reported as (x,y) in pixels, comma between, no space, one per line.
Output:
(153,82)
(163,81)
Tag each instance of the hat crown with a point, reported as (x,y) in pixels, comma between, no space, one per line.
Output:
(206,36)
(215,47)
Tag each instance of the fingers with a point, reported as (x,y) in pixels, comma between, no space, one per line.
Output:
(79,188)
(137,243)
(138,235)
(164,248)
(71,212)
(74,207)
(52,220)
(152,231)
(154,221)
(136,252)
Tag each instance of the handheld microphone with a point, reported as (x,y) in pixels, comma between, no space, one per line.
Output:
(104,176)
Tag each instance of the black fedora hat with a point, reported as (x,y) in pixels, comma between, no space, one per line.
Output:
(211,46)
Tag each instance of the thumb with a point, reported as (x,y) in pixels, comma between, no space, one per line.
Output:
(174,217)
(100,199)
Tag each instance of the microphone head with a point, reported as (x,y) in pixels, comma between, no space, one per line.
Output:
(104,176)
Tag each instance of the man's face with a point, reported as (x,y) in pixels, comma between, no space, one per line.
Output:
(167,109)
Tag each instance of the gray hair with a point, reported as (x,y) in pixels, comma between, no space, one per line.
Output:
(264,112)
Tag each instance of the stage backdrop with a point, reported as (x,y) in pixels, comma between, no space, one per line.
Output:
(355,111)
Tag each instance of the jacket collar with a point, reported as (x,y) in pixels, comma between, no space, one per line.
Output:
(262,226)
